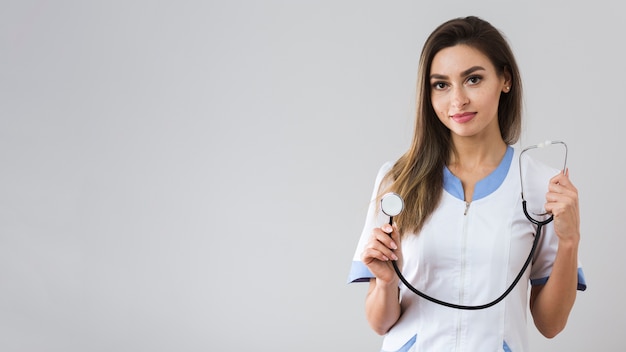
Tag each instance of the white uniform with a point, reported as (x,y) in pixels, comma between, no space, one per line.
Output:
(469,254)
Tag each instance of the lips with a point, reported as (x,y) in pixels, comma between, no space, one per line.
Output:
(464,117)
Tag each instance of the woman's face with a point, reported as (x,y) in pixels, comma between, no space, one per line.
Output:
(465,91)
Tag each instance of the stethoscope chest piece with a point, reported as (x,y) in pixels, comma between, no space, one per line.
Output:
(391,204)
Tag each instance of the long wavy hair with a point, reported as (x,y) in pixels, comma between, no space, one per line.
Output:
(418,174)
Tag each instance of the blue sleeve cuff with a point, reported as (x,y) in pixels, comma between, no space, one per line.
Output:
(359,273)
(582,283)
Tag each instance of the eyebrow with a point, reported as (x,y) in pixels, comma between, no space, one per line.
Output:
(467,72)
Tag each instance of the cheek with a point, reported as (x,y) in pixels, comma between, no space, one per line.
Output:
(489,100)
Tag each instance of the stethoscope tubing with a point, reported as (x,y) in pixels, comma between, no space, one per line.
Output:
(503,295)
(529,259)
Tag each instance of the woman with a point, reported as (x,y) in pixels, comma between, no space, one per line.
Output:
(463,236)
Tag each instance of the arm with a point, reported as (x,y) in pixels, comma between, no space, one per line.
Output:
(551,304)
(382,305)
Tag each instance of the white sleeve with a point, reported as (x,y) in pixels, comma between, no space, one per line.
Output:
(544,259)
(359,271)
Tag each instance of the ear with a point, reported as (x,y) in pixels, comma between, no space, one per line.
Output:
(506,87)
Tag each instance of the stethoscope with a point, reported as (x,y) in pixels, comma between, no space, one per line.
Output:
(392,205)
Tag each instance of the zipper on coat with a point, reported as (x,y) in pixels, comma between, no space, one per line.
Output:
(459,328)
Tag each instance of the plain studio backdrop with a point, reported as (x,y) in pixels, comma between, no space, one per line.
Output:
(194,176)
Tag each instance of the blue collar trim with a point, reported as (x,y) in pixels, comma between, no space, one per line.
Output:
(484,187)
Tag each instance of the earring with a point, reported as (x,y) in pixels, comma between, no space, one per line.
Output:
(507,89)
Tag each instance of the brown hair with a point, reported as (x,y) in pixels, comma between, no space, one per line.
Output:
(418,174)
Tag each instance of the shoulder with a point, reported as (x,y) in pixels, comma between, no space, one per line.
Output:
(383,171)
(386,167)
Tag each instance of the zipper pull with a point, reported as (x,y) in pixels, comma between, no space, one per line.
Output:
(467,204)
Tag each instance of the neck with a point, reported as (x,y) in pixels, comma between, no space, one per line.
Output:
(473,154)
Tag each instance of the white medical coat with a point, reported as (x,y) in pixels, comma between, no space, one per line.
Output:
(468,254)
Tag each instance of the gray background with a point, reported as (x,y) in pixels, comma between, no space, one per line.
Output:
(194,176)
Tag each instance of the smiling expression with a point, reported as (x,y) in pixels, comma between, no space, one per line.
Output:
(465,91)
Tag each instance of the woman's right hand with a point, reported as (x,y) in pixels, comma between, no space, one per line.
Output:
(380,250)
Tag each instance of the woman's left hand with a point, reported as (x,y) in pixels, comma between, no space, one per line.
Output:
(562,202)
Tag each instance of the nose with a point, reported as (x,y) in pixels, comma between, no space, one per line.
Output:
(459,97)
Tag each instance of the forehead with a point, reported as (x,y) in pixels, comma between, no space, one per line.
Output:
(455,59)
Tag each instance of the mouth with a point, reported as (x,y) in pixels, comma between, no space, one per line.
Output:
(463,117)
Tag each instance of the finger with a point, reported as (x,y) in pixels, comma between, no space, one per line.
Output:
(563,179)
(370,255)
(559,203)
(381,242)
(376,250)
(559,178)
(557,191)
(562,195)
(382,245)
(561,190)
(554,208)
(388,237)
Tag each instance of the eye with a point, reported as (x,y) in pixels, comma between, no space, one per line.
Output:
(473,80)
(439,85)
